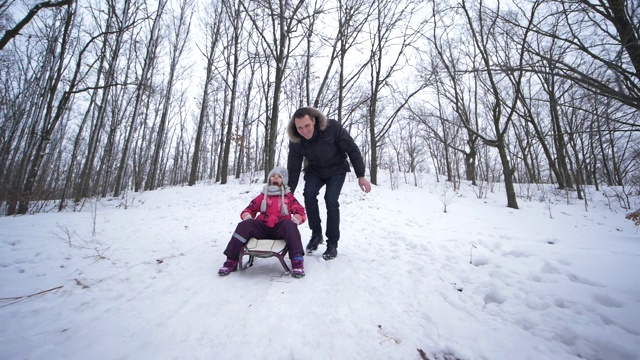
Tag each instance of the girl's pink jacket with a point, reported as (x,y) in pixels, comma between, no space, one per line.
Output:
(274,205)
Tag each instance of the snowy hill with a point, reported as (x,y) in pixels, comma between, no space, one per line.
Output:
(481,281)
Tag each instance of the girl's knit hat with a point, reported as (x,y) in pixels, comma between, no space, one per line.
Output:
(276,190)
(282,171)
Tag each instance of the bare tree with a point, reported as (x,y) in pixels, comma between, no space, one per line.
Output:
(573,47)
(408,147)
(142,90)
(539,104)
(181,28)
(353,16)
(275,22)
(117,24)
(457,87)
(52,112)
(233,65)
(392,28)
(553,91)
(606,63)
(245,146)
(491,46)
(212,25)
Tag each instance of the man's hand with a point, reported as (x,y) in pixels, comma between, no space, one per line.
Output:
(296,219)
(246,216)
(364,184)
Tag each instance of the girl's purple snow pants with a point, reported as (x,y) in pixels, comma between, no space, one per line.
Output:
(246,229)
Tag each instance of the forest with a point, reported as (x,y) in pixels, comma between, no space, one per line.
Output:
(104,98)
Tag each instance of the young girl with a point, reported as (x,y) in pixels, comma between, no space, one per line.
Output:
(274,214)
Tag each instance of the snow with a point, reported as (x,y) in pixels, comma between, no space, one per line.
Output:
(136,278)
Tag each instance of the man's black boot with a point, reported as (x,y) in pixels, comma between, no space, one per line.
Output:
(314,242)
(330,253)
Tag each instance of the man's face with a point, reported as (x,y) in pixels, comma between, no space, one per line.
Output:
(305,126)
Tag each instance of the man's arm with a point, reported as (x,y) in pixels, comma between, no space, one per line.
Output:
(346,143)
(294,165)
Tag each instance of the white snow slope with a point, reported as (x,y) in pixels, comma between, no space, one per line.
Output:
(552,280)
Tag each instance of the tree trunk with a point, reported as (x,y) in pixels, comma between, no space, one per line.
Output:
(507,172)
(213,37)
(181,32)
(51,119)
(142,89)
(235,59)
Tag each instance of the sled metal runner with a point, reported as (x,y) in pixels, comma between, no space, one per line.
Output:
(264,248)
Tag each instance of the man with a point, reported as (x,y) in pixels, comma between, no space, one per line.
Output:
(325,145)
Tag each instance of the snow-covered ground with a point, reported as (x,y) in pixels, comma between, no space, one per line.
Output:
(481,281)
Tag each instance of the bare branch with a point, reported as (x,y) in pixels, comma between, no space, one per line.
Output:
(11,33)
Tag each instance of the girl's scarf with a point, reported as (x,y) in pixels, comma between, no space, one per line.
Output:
(272,190)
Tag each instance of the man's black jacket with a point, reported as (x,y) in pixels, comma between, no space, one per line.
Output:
(326,153)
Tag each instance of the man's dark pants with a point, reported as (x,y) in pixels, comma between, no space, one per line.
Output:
(312,186)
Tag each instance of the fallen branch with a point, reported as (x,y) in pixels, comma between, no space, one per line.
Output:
(31,295)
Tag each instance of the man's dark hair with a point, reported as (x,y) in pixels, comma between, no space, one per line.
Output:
(312,112)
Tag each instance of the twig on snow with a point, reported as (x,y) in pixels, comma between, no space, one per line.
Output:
(16,299)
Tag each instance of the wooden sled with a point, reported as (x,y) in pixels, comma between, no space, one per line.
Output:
(264,248)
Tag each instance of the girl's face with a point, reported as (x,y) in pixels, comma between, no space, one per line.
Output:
(275,179)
